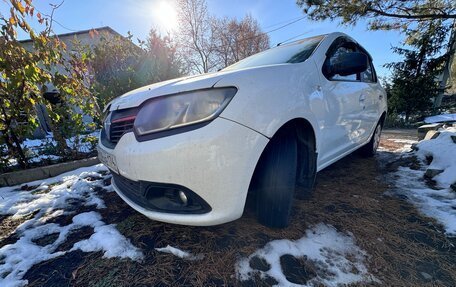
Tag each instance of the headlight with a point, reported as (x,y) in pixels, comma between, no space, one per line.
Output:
(168,112)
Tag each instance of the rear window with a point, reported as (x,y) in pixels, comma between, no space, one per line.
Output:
(295,52)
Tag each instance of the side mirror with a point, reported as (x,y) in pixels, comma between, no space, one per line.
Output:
(349,63)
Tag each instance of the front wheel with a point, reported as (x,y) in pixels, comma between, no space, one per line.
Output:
(274,180)
(370,149)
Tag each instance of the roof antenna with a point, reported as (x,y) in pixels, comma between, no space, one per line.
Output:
(279,44)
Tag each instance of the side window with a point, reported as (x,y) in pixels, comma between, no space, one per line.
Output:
(369,75)
(337,53)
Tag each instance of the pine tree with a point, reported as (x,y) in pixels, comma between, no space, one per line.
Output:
(414,81)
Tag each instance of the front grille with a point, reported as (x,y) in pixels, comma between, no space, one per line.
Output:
(117,124)
(119,127)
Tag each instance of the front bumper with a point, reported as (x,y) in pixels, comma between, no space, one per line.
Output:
(216,162)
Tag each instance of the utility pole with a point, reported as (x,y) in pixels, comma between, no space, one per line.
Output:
(447,69)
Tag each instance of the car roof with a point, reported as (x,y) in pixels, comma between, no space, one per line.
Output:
(324,36)
(333,36)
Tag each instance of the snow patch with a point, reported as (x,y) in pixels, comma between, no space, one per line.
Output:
(440,118)
(19,257)
(37,150)
(439,202)
(49,199)
(407,145)
(108,239)
(70,186)
(76,142)
(406,141)
(179,253)
(338,260)
(42,157)
(443,152)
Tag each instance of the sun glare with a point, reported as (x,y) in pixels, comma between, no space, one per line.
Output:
(165,14)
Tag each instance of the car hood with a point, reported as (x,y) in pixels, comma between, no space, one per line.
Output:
(230,78)
(136,97)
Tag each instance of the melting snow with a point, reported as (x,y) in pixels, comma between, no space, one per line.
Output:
(37,149)
(106,238)
(405,141)
(439,203)
(443,152)
(70,186)
(407,144)
(76,142)
(46,202)
(179,253)
(338,260)
(441,118)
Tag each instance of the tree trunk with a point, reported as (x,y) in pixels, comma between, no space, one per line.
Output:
(14,146)
(22,158)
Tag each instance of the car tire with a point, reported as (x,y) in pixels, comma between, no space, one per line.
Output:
(370,149)
(275,179)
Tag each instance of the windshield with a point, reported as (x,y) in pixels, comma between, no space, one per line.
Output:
(295,52)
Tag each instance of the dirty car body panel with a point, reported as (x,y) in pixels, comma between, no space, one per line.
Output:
(207,166)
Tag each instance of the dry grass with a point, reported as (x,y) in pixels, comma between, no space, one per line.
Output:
(349,195)
(401,243)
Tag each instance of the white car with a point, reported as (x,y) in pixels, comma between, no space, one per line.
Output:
(190,150)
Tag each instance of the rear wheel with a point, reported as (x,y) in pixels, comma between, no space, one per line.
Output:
(275,178)
(370,149)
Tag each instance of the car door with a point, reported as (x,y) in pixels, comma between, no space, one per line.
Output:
(345,100)
(373,98)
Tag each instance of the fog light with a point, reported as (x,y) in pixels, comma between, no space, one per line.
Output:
(173,199)
(183,198)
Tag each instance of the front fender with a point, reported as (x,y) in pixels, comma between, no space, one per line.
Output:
(269,97)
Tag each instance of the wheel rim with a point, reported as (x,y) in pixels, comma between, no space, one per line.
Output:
(377,138)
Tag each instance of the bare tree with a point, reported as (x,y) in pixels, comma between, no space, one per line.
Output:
(208,44)
(196,37)
(237,40)
(225,39)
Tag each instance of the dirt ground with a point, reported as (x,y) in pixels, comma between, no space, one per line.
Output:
(405,248)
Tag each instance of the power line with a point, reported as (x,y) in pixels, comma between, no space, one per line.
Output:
(281,22)
(50,17)
(58,23)
(294,37)
(273,30)
(283,26)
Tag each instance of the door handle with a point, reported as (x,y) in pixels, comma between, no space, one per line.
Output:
(380,97)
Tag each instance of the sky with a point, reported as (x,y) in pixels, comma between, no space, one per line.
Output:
(139,16)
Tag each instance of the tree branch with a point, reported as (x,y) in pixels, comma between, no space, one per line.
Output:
(409,16)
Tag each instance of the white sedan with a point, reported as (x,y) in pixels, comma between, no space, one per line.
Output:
(190,150)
